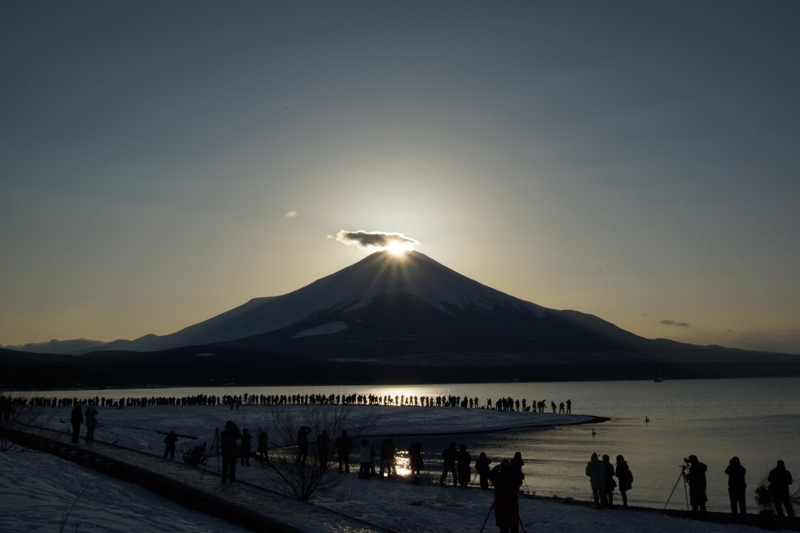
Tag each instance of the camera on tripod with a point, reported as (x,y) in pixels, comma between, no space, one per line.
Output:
(686,465)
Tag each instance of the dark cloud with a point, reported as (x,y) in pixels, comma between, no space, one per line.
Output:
(374,239)
(675,323)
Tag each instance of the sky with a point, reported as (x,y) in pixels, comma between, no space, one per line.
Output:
(164,162)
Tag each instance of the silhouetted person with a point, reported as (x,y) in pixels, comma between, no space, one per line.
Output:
(344,447)
(625,478)
(482,466)
(569,407)
(247,440)
(323,448)
(263,447)
(415,458)
(517,463)
(91,423)
(388,450)
(6,407)
(76,418)
(463,462)
(609,483)
(227,445)
(365,460)
(449,456)
(779,481)
(696,478)
(597,477)
(169,445)
(196,455)
(302,445)
(736,486)
(506,500)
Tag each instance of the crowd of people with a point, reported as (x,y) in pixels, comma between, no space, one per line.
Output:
(458,467)
(236,401)
(601,474)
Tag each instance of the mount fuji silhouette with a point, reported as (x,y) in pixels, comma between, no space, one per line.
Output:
(387,320)
(386,305)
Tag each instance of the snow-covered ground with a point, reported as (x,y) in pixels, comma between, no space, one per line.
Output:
(43,492)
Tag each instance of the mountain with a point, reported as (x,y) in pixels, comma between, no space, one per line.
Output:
(387,320)
(386,305)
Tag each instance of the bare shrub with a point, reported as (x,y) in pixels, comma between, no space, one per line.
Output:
(286,472)
(19,413)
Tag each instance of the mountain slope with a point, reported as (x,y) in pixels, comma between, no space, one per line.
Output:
(394,305)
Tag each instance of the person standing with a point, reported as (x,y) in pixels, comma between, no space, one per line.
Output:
(344,447)
(415,458)
(696,478)
(596,472)
(76,418)
(302,445)
(517,463)
(323,448)
(169,445)
(779,480)
(625,478)
(736,487)
(263,447)
(388,451)
(247,439)
(608,482)
(463,461)
(227,440)
(506,499)
(91,423)
(482,466)
(365,458)
(449,456)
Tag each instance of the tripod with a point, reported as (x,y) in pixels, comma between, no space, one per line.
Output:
(682,476)
(214,446)
(489,514)
(487,517)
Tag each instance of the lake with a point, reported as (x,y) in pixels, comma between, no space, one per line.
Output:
(756,419)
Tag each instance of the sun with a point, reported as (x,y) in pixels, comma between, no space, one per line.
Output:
(397,249)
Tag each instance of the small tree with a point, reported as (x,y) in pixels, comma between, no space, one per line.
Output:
(285,472)
(762,495)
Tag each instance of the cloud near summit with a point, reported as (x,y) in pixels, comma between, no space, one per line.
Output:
(368,240)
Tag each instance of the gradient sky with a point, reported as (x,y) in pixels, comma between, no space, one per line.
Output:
(163,162)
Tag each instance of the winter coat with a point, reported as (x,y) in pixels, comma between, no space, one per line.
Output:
(91,417)
(482,465)
(366,454)
(624,476)
(696,478)
(609,482)
(228,438)
(449,456)
(506,499)
(246,439)
(735,473)
(779,479)
(344,445)
(517,463)
(596,472)
(464,459)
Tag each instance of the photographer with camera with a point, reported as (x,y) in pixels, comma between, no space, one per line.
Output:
(695,474)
